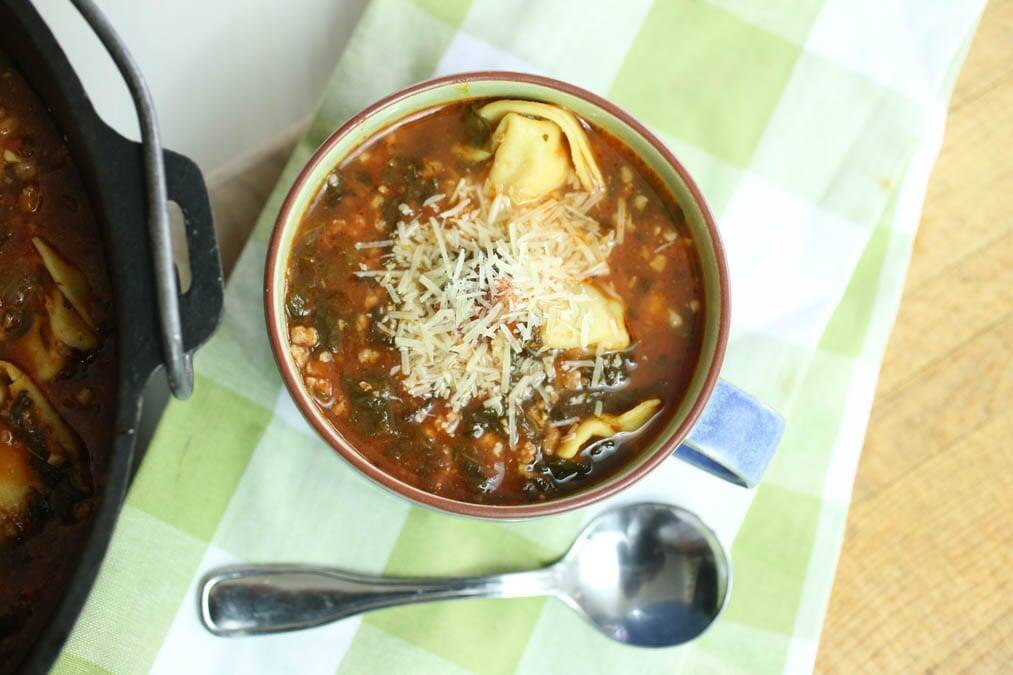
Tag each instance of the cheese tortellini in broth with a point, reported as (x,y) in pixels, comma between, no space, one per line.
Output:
(606,426)
(531,159)
(70,319)
(30,428)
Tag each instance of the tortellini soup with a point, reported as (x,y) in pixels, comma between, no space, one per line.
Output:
(495,302)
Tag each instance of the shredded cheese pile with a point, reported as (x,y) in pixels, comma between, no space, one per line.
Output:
(471,278)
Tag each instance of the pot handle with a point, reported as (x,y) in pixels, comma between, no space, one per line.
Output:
(734,438)
(200,308)
(190,187)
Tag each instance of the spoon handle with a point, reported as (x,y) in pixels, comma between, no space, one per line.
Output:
(258,599)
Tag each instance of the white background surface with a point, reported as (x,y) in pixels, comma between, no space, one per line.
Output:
(227,75)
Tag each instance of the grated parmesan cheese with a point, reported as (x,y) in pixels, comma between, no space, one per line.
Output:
(599,368)
(470,288)
(581,363)
(374,244)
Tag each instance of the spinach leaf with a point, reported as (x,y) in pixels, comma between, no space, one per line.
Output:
(375,407)
(477,129)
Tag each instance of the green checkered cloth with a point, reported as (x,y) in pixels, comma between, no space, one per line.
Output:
(811,127)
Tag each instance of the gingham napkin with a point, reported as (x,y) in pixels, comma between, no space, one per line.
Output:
(811,128)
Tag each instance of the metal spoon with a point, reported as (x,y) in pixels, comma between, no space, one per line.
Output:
(650,575)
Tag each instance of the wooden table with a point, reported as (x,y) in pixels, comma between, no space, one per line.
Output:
(925,576)
(925,582)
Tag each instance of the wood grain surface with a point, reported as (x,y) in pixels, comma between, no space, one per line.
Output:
(925,582)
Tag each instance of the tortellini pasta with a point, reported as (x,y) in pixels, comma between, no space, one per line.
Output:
(606,426)
(71,281)
(59,440)
(70,322)
(29,425)
(67,325)
(530,158)
(17,481)
(593,315)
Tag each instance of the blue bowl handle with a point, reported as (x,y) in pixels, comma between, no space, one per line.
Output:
(735,436)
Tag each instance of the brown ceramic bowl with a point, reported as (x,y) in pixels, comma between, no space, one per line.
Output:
(605,115)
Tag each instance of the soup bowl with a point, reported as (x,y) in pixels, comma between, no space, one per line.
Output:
(716,427)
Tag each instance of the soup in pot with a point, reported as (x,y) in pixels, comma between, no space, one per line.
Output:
(57,368)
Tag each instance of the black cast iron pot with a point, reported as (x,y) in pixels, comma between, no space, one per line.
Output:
(113,172)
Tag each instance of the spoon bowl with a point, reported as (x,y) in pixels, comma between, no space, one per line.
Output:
(650,575)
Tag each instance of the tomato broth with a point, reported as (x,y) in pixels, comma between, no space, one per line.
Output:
(529,407)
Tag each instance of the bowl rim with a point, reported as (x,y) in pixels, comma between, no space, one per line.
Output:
(417,495)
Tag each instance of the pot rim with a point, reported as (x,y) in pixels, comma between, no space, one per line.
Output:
(414,494)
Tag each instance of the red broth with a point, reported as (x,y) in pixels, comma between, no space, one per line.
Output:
(339,320)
